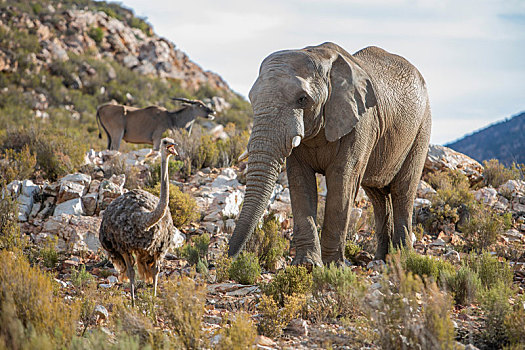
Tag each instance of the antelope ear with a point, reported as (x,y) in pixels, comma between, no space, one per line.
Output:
(351,94)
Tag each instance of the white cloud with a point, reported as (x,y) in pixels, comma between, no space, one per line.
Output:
(470,52)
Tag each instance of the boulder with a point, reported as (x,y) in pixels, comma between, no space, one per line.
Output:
(487,196)
(71,207)
(108,191)
(75,233)
(80,178)
(69,190)
(440,158)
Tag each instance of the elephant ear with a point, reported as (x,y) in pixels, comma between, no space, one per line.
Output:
(351,94)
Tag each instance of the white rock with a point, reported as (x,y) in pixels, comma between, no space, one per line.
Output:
(178,238)
(424,190)
(112,279)
(441,158)
(14,187)
(513,235)
(69,190)
(453,256)
(101,312)
(232,203)
(71,207)
(29,188)
(229,226)
(486,195)
(80,178)
(511,188)
(421,203)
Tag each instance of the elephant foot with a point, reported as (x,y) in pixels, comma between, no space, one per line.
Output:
(308,260)
(337,259)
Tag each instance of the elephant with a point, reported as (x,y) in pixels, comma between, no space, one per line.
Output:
(146,125)
(360,120)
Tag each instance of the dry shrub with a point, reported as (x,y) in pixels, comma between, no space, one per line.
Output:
(241,333)
(222,268)
(10,236)
(496,174)
(183,304)
(58,152)
(275,317)
(411,314)
(336,293)
(17,165)
(183,207)
(29,293)
(483,227)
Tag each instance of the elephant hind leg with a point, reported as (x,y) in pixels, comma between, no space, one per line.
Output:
(404,186)
(383,215)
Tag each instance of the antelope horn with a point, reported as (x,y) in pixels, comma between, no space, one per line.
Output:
(186,100)
(243,156)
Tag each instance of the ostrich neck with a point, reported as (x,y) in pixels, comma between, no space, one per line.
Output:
(160,210)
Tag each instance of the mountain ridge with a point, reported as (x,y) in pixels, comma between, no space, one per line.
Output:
(503,140)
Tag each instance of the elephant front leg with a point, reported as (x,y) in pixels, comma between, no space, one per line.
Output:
(303,193)
(339,202)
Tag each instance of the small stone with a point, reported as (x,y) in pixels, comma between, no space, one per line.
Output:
(101,312)
(376,265)
(453,256)
(104,285)
(298,326)
(72,207)
(112,279)
(264,341)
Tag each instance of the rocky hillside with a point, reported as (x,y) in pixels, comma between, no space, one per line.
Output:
(59,60)
(504,141)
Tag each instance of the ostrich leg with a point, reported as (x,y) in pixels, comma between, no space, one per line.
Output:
(131,275)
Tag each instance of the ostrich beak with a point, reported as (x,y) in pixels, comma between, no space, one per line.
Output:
(171,149)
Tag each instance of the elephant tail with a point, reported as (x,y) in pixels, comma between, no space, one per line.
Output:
(98,124)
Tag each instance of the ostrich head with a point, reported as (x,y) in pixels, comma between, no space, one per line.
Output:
(168,147)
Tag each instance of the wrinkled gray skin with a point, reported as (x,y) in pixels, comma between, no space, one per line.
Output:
(363,119)
(146,125)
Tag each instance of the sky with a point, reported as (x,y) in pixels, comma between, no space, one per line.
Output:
(470,52)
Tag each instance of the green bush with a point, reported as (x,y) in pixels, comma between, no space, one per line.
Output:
(183,207)
(96,33)
(245,269)
(58,152)
(490,270)
(496,174)
(48,252)
(483,227)
(426,266)
(268,243)
(292,280)
(495,303)
(401,322)
(337,293)
(515,324)
(465,285)
(80,278)
(196,250)
(274,317)
(28,294)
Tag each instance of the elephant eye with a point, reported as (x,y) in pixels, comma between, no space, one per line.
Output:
(302,101)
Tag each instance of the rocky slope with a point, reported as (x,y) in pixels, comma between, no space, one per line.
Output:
(504,141)
(62,30)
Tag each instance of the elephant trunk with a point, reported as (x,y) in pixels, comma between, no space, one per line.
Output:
(264,163)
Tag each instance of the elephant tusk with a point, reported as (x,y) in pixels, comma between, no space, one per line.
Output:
(243,156)
(296,141)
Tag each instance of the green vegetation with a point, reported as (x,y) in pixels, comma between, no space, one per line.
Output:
(80,278)
(268,243)
(275,317)
(464,284)
(196,250)
(183,207)
(293,280)
(96,33)
(425,266)
(245,269)
(483,227)
(427,327)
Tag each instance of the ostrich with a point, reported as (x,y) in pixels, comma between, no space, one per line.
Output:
(137,225)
